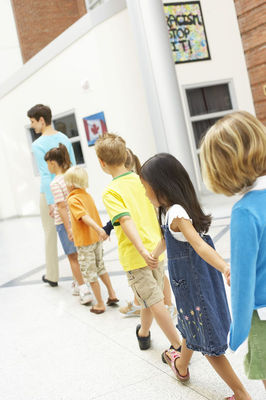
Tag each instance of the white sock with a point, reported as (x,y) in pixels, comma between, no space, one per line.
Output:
(83,288)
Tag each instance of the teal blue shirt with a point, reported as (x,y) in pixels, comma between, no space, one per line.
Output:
(40,148)
(248,262)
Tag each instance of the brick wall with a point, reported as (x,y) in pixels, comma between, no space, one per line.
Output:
(39,22)
(252,23)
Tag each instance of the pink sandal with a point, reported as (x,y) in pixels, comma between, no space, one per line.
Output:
(170,359)
(230,398)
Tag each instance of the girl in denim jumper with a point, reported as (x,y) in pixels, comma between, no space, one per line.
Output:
(195,271)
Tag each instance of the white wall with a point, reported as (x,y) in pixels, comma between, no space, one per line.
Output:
(106,56)
(10,55)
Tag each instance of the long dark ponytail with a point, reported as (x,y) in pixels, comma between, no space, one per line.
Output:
(60,155)
(172,185)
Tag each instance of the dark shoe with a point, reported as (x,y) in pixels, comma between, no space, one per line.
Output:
(172,348)
(144,342)
(95,311)
(51,283)
(112,302)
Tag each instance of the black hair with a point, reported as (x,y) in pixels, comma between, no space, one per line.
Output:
(60,155)
(172,185)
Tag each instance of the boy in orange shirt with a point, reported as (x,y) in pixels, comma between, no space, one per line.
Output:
(88,235)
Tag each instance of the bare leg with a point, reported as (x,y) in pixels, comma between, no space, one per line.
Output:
(226,372)
(181,363)
(97,293)
(146,321)
(167,292)
(136,301)
(106,280)
(165,322)
(73,260)
(264,383)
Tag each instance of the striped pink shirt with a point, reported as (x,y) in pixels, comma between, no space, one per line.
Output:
(60,193)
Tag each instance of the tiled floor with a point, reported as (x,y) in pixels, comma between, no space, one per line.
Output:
(52,348)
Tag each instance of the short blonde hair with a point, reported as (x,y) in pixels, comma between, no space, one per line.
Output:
(233,153)
(111,149)
(77,177)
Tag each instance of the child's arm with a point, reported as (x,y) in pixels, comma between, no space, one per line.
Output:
(129,227)
(205,251)
(62,209)
(90,222)
(159,249)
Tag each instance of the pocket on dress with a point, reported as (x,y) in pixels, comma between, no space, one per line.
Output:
(180,283)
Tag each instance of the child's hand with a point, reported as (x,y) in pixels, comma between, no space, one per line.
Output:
(51,210)
(70,235)
(227,275)
(150,260)
(102,234)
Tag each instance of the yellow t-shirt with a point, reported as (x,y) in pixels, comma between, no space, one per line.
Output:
(125,195)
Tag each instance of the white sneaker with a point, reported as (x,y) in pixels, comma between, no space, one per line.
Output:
(172,311)
(85,296)
(75,288)
(130,310)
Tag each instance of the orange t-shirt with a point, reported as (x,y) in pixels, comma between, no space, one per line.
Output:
(81,203)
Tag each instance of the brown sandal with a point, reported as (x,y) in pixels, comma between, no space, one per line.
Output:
(95,311)
(112,302)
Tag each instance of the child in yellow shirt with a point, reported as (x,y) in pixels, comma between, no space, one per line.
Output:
(138,232)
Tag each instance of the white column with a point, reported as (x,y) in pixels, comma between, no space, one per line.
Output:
(160,80)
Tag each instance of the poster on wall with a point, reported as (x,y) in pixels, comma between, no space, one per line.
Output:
(186,31)
(95,126)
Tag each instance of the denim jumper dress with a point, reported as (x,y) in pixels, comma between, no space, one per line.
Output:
(203,317)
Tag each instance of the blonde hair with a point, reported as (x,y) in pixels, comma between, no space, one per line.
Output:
(111,149)
(77,177)
(233,153)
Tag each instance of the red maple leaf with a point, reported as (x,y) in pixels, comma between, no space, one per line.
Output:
(94,129)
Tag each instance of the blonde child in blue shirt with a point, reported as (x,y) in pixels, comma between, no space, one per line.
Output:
(233,156)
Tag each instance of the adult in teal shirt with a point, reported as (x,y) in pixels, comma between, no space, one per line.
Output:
(41,119)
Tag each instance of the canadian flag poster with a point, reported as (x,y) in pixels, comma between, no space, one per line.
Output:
(95,126)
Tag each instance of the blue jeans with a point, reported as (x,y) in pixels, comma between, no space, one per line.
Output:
(67,245)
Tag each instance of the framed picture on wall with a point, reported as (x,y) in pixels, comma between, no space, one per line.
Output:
(187,33)
(95,126)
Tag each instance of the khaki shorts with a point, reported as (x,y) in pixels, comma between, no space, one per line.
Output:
(90,260)
(147,284)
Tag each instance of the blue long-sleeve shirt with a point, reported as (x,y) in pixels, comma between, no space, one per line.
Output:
(40,148)
(248,262)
